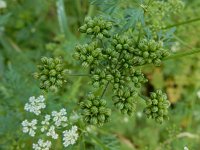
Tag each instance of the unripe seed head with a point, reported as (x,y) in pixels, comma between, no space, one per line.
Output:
(93,120)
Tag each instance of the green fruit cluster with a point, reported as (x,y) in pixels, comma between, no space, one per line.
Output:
(51,74)
(128,76)
(88,54)
(97,27)
(112,63)
(137,77)
(125,100)
(139,53)
(124,46)
(94,110)
(159,11)
(157,106)
(178,6)
(111,57)
(149,51)
(117,78)
(122,43)
(100,77)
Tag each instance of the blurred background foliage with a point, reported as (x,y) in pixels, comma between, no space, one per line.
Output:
(30,29)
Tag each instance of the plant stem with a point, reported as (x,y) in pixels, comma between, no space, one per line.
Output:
(109,81)
(91,10)
(78,74)
(182,54)
(183,42)
(104,90)
(182,23)
(143,97)
(62,19)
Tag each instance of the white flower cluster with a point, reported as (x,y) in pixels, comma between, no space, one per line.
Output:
(60,118)
(42,145)
(29,127)
(35,104)
(57,120)
(45,123)
(70,136)
(51,132)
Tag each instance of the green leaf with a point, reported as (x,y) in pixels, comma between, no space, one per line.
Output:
(111,142)
(133,16)
(4,18)
(97,141)
(107,6)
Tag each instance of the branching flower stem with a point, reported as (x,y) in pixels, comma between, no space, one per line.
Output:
(109,82)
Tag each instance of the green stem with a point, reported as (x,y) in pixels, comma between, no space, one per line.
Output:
(62,19)
(82,143)
(143,97)
(182,54)
(78,74)
(109,81)
(139,36)
(182,23)
(104,91)
(182,42)
(91,10)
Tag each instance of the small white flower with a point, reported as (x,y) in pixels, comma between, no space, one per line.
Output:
(29,127)
(198,94)
(45,123)
(60,117)
(3,4)
(51,132)
(70,136)
(186,148)
(35,104)
(42,145)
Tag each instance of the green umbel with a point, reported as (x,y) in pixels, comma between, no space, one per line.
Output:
(125,100)
(157,106)
(51,74)
(97,27)
(94,110)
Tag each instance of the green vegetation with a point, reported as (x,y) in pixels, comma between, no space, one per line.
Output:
(99,74)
